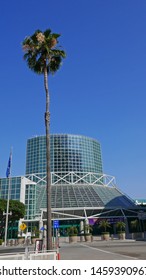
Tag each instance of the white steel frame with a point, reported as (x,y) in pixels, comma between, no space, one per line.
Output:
(64,178)
(75,178)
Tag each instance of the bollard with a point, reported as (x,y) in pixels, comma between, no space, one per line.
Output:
(112,237)
(26,253)
(58,254)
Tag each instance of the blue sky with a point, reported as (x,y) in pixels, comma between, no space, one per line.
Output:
(100,90)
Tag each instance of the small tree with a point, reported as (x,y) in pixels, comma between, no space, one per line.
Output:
(17,209)
(104,224)
(135,224)
(35,232)
(72,231)
(88,229)
(120,226)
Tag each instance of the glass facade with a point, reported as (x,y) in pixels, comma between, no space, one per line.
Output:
(23,190)
(15,188)
(30,201)
(69,153)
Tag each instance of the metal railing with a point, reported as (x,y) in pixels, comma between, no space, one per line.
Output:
(30,255)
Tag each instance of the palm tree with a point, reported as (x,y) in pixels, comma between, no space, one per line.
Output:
(43,57)
(120,225)
(104,224)
(135,224)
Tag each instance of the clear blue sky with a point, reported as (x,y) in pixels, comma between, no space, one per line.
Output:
(100,90)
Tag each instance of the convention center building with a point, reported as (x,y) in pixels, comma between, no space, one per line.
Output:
(80,190)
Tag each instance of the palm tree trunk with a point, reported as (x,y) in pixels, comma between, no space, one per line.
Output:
(48,171)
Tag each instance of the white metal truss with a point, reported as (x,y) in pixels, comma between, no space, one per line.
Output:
(63,214)
(75,178)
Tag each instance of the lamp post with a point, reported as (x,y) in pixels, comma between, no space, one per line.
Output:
(8,173)
(7,213)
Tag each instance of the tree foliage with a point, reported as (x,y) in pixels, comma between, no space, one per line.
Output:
(120,225)
(135,225)
(16,207)
(42,52)
(72,231)
(104,224)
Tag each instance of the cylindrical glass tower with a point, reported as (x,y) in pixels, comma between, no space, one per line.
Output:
(69,153)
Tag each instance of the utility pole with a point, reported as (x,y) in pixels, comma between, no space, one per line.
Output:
(8,173)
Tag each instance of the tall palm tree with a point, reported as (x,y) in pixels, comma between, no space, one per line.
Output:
(43,57)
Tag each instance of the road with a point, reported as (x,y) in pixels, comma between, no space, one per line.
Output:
(104,250)
(97,250)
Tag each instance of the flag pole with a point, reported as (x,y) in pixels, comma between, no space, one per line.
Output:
(8,173)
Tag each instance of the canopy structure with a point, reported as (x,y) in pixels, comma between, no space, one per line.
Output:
(91,195)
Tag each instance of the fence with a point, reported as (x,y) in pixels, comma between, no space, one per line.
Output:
(31,255)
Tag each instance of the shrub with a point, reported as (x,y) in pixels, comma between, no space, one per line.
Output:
(135,225)
(88,229)
(104,224)
(72,231)
(120,226)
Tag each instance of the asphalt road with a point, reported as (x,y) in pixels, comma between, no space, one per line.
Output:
(98,250)
(104,250)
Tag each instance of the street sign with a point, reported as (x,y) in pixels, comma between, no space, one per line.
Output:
(56,223)
(42,228)
(23,226)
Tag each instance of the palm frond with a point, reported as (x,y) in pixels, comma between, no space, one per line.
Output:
(54,35)
(47,33)
(54,64)
(57,52)
(41,51)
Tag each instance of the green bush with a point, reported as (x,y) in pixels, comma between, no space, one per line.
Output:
(72,231)
(120,226)
(35,232)
(88,230)
(1,241)
(104,224)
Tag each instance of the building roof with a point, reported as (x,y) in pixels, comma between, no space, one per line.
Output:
(76,196)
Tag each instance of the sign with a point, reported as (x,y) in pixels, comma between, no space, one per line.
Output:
(56,223)
(42,228)
(92,221)
(23,226)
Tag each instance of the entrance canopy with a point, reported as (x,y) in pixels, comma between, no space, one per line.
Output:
(87,195)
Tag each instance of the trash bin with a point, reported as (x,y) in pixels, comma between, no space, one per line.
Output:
(38,245)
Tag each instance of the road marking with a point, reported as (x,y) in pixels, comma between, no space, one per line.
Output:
(107,252)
